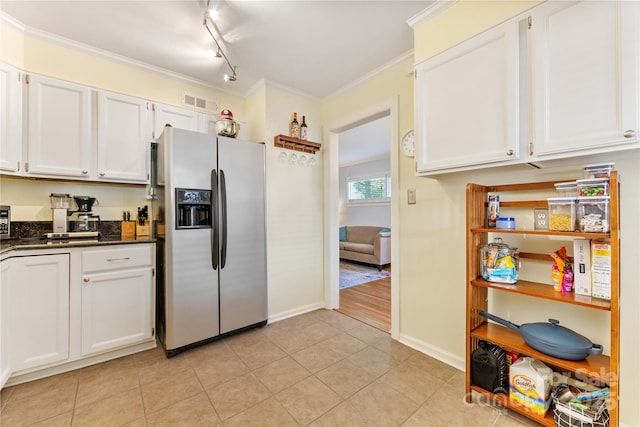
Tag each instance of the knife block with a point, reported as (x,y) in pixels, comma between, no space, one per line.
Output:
(142,230)
(128,230)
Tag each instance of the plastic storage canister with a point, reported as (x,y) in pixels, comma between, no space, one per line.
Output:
(598,171)
(562,213)
(506,223)
(593,187)
(567,189)
(593,214)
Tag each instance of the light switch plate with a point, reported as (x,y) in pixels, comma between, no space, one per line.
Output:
(411,196)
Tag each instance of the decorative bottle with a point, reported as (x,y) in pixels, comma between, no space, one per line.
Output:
(303,129)
(294,128)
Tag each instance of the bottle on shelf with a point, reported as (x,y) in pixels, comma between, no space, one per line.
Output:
(294,127)
(303,129)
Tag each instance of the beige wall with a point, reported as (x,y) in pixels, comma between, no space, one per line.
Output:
(294,210)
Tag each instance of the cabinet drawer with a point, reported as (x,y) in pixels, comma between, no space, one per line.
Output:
(116,258)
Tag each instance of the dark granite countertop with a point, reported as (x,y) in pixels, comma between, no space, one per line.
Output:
(29,243)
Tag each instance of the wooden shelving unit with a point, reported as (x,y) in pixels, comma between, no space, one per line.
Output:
(296,144)
(600,368)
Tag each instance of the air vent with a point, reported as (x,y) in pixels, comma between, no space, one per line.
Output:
(202,104)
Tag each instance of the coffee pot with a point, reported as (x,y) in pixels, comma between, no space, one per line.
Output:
(60,205)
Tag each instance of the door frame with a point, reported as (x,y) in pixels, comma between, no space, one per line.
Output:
(331,248)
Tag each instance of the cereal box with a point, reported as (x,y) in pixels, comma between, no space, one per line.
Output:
(582,266)
(601,270)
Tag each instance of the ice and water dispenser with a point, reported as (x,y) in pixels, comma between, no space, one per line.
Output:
(193,208)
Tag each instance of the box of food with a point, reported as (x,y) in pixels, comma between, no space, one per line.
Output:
(601,269)
(593,187)
(530,384)
(593,214)
(582,266)
(562,213)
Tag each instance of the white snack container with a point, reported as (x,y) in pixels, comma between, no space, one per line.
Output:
(593,214)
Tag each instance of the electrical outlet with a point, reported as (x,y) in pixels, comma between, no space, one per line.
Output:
(411,196)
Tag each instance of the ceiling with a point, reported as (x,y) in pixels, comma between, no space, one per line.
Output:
(312,47)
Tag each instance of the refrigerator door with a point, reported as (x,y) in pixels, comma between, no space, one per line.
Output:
(191,282)
(243,272)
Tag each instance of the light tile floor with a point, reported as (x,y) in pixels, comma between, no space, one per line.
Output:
(318,369)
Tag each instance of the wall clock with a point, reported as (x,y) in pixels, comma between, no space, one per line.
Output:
(408,143)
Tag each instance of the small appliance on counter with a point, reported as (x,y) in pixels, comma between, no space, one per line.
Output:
(69,224)
(5,222)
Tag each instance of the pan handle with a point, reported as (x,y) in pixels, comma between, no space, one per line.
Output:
(596,349)
(499,320)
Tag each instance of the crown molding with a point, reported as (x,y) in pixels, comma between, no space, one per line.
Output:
(369,75)
(430,12)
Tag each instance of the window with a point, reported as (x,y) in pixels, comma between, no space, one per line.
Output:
(370,189)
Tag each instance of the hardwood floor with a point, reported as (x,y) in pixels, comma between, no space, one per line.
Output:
(370,303)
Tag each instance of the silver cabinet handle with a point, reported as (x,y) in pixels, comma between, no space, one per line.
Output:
(118,259)
(531,148)
(85,172)
(509,152)
(629,133)
(102,174)
(86,280)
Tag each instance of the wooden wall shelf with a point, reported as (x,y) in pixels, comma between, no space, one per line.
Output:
(602,369)
(296,144)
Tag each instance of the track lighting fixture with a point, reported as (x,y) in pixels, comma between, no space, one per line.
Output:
(208,16)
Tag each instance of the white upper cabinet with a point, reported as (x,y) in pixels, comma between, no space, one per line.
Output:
(10,119)
(585,84)
(59,128)
(467,103)
(124,136)
(177,117)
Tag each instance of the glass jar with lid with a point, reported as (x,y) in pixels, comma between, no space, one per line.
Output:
(499,262)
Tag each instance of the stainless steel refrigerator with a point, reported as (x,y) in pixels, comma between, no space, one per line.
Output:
(209,222)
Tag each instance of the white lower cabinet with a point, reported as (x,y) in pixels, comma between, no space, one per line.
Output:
(116,297)
(5,280)
(69,308)
(38,311)
(116,309)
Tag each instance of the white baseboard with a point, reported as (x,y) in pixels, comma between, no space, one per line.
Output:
(295,312)
(435,352)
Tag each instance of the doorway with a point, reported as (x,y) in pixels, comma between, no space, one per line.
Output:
(331,202)
(364,189)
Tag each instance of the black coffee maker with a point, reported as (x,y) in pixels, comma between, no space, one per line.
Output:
(83,219)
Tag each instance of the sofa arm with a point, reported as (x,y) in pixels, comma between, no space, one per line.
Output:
(382,248)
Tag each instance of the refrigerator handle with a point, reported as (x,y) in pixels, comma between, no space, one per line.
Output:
(215,245)
(223,212)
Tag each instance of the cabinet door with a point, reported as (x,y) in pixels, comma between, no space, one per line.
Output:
(39,311)
(5,280)
(176,117)
(59,128)
(585,76)
(123,138)
(10,119)
(116,309)
(467,103)
(207,124)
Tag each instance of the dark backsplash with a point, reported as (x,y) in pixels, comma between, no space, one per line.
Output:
(28,229)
